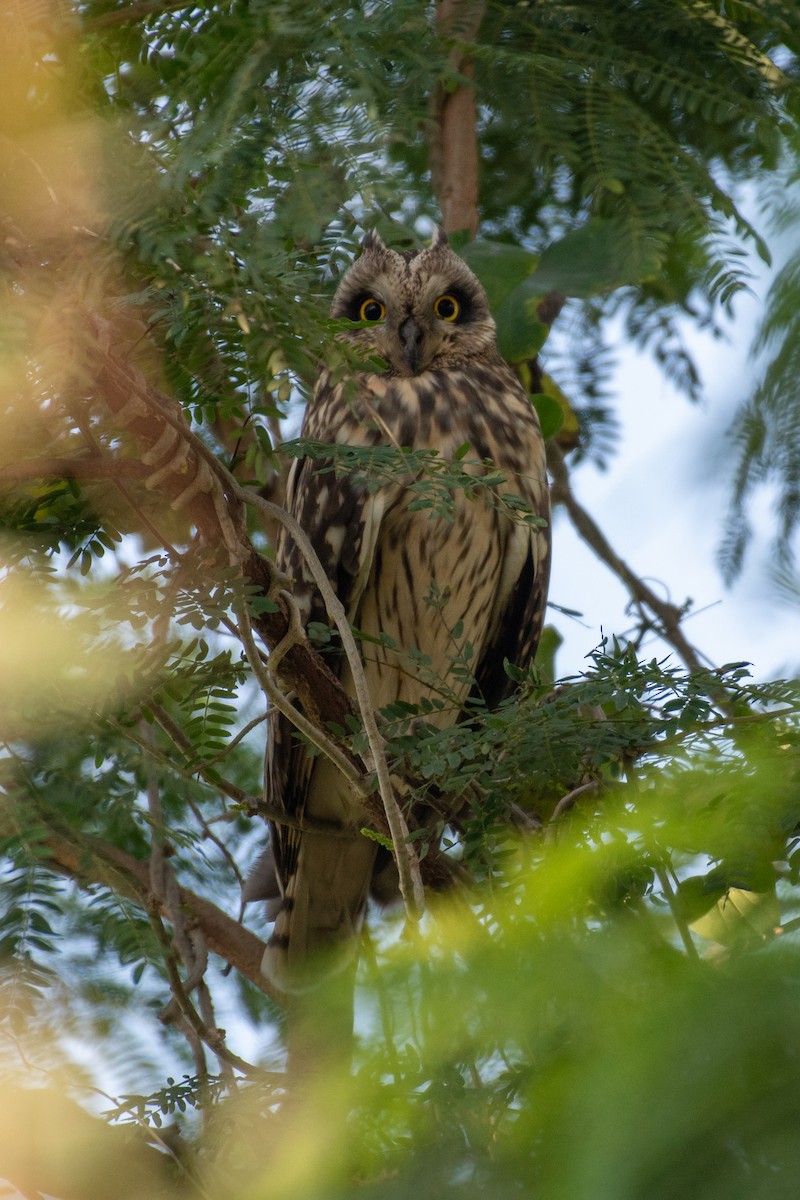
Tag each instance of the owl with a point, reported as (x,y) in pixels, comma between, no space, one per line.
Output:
(424,587)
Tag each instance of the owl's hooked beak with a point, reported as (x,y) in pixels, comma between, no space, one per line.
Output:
(411,338)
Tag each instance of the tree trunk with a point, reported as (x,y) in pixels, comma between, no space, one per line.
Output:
(453,139)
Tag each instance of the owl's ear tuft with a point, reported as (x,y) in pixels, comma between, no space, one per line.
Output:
(439,238)
(372,241)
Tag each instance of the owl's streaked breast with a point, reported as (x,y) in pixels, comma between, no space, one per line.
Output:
(433,573)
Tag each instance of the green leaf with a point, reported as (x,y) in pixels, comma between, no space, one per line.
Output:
(739,916)
(550,414)
(264,440)
(520,333)
(695,896)
(261,604)
(500,266)
(600,256)
(376,837)
(549,644)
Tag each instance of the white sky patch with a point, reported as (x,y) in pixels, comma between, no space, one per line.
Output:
(662,503)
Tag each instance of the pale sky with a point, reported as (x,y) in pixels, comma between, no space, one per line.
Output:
(661,504)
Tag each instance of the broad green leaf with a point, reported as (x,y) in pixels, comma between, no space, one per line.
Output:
(740,915)
(520,333)
(549,644)
(500,266)
(600,256)
(695,896)
(550,413)
(569,433)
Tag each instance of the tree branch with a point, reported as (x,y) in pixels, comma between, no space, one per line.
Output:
(187,474)
(92,861)
(668,616)
(249,802)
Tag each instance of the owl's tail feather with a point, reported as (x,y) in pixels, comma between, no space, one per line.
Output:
(321,913)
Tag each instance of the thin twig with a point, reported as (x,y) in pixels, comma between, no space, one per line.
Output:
(570,800)
(164,886)
(211,1037)
(208,833)
(668,615)
(301,722)
(194,767)
(683,928)
(410,879)
(189,769)
(248,728)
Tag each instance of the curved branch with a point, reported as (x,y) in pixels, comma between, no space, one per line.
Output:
(668,616)
(90,860)
(190,769)
(408,870)
(194,482)
(277,697)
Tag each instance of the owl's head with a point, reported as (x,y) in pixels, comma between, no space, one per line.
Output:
(420,310)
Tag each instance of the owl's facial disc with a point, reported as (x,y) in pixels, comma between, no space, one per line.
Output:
(419,311)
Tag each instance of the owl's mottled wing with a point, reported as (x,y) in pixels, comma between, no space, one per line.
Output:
(500,425)
(335,508)
(341,517)
(518,623)
(520,626)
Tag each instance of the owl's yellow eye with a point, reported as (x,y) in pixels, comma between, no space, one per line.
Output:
(447,307)
(372,310)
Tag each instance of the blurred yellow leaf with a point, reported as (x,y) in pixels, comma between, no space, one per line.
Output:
(53,652)
(739,915)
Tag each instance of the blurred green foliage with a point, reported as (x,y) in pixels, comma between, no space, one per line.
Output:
(611,1010)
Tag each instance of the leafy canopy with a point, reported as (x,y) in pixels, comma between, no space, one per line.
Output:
(611,1009)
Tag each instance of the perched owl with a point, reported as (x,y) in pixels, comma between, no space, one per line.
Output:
(419,585)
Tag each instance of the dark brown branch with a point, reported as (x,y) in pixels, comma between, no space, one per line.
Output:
(668,616)
(92,861)
(550,306)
